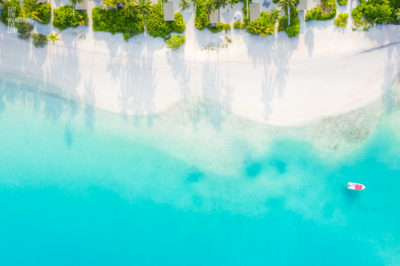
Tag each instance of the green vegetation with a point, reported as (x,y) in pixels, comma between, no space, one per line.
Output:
(244,10)
(342,2)
(341,20)
(75,2)
(184,4)
(24,30)
(376,11)
(175,42)
(201,20)
(220,27)
(40,12)
(324,11)
(43,13)
(39,40)
(292,29)
(109,4)
(117,21)
(265,24)
(157,27)
(238,25)
(6,7)
(204,8)
(290,22)
(53,37)
(64,17)
(359,22)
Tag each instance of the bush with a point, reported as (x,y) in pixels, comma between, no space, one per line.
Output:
(265,24)
(238,25)
(293,29)
(201,20)
(175,42)
(39,12)
(157,27)
(324,11)
(6,6)
(342,2)
(375,11)
(359,22)
(219,27)
(378,11)
(44,13)
(341,20)
(24,30)
(116,21)
(39,40)
(178,25)
(64,18)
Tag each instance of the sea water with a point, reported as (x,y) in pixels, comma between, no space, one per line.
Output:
(194,185)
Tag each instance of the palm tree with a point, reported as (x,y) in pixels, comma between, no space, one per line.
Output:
(109,3)
(74,2)
(215,4)
(287,5)
(130,7)
(53,37)
(28,9)
(144,7)
(184,4)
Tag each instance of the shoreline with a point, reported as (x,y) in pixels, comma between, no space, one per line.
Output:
(275,80)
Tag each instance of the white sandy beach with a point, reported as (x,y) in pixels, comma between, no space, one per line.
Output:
(273,80)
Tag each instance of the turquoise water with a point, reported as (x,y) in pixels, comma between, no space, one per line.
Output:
(193,186)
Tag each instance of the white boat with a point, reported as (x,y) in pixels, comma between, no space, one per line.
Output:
(355,186)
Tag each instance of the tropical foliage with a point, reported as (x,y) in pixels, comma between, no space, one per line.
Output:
(53,37)
(143,7)
(8,5)
(342,2)
(265,24)
(324,11)
(184,4)
(157,27)
(341,20)
(292,29)
(175,41)
(117,21)
(376,11)
(24,30)
(202,20)
(287,6)
(40,12)
(64,17)
(238,25)
(220,27)
(39,40)
(43,13)
(75,2)
(109,4)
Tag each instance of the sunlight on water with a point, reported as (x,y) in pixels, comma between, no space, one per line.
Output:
(195,185)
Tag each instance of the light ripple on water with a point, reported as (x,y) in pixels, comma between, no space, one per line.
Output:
(199,158)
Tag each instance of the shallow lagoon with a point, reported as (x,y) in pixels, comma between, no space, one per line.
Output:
(195,185)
